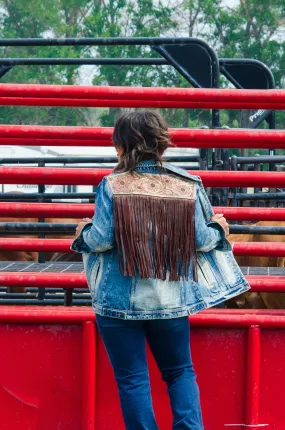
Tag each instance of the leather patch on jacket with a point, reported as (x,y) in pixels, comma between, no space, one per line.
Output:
(154,220)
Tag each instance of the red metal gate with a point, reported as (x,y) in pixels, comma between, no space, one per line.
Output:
(55,373)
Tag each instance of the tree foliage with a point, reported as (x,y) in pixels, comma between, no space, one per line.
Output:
(35,18)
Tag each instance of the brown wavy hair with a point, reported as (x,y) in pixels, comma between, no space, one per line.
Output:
(141,136)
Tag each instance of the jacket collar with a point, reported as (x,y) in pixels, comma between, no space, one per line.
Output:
(151,165)
(181,172)
(147,165)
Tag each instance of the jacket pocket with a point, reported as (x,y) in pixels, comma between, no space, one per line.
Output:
(207,276)
(92,268)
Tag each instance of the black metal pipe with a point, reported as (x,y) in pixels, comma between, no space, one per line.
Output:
(47,196)
(245,62)
(258,196)
(75,160)
(36,227)
(260,159)
(245,229)
(90,197)
(35,296)
(68,297)
(44,302)
(78,292)
(83,61)
(110,41)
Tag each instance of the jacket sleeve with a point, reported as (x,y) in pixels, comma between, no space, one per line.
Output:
(209,234)
(99,235)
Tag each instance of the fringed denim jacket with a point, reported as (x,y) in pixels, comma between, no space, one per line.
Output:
(218,277)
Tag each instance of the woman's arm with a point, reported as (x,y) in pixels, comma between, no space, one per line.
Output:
(209,232)
(99,235)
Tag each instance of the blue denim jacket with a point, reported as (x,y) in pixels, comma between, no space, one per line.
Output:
(133,297)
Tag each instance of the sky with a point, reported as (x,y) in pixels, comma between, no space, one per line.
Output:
(230,3)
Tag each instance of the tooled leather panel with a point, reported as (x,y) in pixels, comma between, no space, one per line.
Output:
(154,185)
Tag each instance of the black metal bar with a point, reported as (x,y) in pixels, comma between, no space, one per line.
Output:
(51,292)
(245,62)
(24,228)
(228,76)
(272,125)
(91,41)
(244,229)
(10,62)
(204,159)
(258,196)
(260,159)
(45,302)
(47,197)
(91,196)
(68,297)
(41,255)
(4,70)
(74,160)
(257,168)
(258,117)
(36,227)
(34,296)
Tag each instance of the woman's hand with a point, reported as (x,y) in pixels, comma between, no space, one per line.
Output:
(81,225)
(219,218)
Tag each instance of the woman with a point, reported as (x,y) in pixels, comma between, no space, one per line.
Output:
(154,254)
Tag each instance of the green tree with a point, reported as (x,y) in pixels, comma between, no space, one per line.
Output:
(255,29)
(128,18)
(35,18)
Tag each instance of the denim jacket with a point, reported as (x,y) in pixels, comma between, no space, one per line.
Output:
(133,297)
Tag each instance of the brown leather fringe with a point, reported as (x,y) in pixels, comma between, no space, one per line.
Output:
(155,236)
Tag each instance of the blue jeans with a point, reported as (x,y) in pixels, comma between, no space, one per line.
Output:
(169,341)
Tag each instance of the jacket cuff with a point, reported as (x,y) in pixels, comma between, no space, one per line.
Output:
(79,244)
(218,227)
(224,241)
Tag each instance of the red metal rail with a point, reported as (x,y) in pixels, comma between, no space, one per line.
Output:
(138,103)
(201,98)
(253,214)
(19,141)
(262,249)
(274,249)
(73,210)
(101,136)
(91,176)
(62,315)
(43,210)
(76,280)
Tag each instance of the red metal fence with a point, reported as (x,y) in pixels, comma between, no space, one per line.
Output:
(101,136)
(276,249)
(75,280)
(72,96)
(54,372)
(68,210)
(91,176)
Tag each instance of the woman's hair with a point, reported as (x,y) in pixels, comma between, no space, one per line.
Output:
(141,136)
